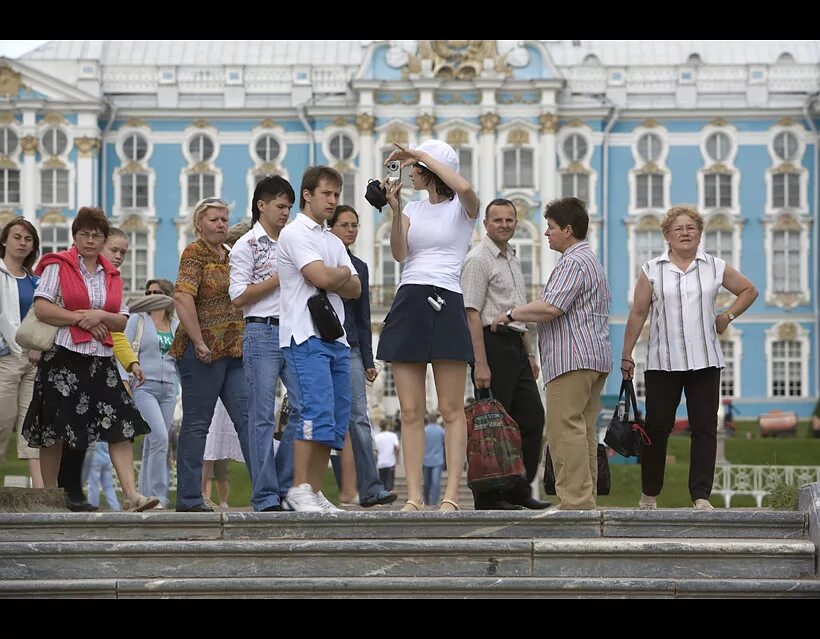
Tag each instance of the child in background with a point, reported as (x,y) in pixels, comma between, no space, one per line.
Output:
(102,474)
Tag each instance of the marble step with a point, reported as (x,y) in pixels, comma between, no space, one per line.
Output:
(417,588)
(382,524)
(557,558)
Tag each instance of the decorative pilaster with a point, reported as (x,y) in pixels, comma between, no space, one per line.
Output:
(487,161)
(549,190)
(87,150)
(425,122)
(366,124)
(28,179)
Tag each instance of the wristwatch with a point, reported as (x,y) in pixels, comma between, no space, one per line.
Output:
(509,315)
(731,316)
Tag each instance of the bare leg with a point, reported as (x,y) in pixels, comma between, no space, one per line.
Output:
(451,377)
(347,491)
(35,473)
(50,463)
(207,471)
(223,490)
(410,386)
(122,456)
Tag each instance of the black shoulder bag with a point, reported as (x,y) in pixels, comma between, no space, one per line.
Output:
(324,317)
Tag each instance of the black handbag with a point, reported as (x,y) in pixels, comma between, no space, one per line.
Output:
(626,435)
(324,317)
(604,475)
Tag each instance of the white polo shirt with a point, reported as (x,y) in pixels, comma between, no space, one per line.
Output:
(301,242)
(253,260)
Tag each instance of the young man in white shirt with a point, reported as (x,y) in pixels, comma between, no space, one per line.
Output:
(311,258)
(255,289)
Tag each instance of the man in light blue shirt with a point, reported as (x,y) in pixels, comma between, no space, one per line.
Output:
(433,462)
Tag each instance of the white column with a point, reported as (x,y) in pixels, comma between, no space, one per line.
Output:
(87,149)
(549,188)
(28,179)
(365,122)
(486,162)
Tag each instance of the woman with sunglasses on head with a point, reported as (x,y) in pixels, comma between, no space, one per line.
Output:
(78,397)
(151,335)
(207,347)
(19,247)
(427,322)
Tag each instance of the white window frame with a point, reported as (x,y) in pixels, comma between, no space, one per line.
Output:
(723,167)
(195,166)
(445,132)
(15,150)
(261,168)
(67,202)
(641,168)
(132,224)
(648,222)
(787,222)
(583,166)
(46,129)
(795,167)
(733,336)
(54,221)
(5,180)
(503,144)
(788,331)
(329,134)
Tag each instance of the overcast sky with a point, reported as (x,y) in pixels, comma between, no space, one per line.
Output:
(16,48)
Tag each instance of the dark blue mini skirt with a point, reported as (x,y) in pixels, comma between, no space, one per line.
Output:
(414,331)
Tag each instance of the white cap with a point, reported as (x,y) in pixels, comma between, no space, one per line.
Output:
(440,151)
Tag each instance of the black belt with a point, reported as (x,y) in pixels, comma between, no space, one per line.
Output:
(262,320)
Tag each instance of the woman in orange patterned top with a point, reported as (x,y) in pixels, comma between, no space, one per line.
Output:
(208,349)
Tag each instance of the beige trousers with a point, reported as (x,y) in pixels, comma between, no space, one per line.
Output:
(573,402)
(16,387)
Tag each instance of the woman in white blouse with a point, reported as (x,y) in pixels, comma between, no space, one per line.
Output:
(678,291)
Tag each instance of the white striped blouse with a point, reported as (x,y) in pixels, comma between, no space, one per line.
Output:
(49,288)
(578,339)
(682,335)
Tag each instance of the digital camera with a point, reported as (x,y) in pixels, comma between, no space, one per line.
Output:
(394,170)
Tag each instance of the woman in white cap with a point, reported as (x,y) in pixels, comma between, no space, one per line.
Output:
(427,321)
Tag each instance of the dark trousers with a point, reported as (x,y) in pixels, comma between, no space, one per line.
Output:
(513,385)
(71,471)
(663,394)
(388,477)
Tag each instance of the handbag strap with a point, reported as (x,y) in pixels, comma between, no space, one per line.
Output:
(135,345)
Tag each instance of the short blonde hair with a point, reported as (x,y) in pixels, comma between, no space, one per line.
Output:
(205,204)
(681,209)
(236,231)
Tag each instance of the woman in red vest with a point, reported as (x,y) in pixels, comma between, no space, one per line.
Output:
(78,397)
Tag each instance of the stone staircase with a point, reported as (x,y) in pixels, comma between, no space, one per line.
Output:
(607,553)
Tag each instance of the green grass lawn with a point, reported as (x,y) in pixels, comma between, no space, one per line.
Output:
(745,447)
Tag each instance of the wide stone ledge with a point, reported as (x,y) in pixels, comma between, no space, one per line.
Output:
(226,559)
(674,558)
(59,589)
(395,587)
(30,500)
(718,523)
(748,588)
(402,525)
(109,526)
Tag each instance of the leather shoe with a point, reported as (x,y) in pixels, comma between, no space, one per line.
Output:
(530,503)
(382,499)
(505,505)
(199,508)
(79,505)
(276,508)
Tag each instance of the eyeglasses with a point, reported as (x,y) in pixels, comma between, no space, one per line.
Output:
(348,225)
(680,230)
(85,235)
(155,292)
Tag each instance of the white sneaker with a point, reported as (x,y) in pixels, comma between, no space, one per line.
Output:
(302,499)
(703,504)
(648,503)
(326,505)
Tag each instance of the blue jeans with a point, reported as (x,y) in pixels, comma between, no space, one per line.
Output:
(102,473)
(272,474)
(201,385)
(432,484)
(156,400)
(323,381)
(368,483)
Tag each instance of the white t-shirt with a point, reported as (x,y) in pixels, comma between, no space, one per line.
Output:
(438,240)
(386,444)
(301,242)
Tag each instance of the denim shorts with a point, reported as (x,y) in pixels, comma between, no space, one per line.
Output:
(323,375)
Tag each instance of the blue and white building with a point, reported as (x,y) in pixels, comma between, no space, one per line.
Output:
(144,129)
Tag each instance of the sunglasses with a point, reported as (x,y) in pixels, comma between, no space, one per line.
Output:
(209,201)
(155,292)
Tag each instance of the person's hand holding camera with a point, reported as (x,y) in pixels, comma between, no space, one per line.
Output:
(393,193)
(404,155)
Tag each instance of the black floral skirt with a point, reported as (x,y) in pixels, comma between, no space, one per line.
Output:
(80,399)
